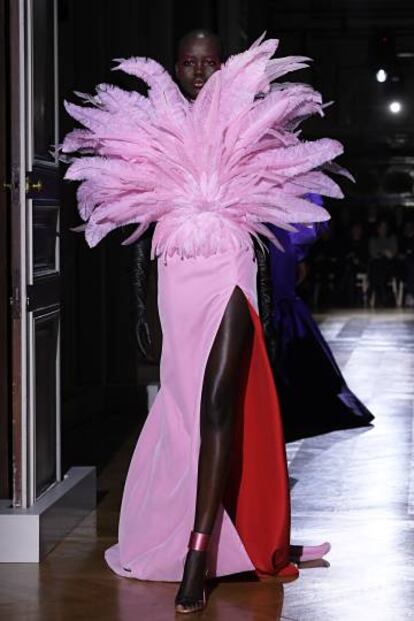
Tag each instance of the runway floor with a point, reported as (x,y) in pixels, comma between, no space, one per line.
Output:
(353,488)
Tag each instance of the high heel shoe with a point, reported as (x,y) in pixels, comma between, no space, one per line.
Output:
(184,604)
(302,554)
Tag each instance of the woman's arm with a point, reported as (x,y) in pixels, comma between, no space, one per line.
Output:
(139,273)
(265,299)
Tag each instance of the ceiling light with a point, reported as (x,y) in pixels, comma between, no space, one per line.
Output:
(395,107)
(381,75)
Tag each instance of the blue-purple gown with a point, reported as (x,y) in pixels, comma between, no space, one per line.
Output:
(314,395)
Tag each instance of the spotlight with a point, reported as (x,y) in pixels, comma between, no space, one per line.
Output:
(395,107)
(381,75)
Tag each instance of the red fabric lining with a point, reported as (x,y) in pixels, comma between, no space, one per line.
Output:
(257,495)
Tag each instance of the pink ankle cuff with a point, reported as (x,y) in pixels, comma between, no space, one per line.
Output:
(198,541)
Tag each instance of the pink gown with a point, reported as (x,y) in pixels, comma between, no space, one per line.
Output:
(158,506)
(210,173)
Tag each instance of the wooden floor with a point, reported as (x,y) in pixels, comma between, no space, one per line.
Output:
(354,488)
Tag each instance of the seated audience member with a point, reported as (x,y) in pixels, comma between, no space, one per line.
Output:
(324,260)
(354,260)
(383,248)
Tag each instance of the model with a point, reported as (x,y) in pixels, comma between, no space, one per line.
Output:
(314,395)
(210,168)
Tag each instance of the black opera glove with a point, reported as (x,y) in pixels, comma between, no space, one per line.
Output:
(265,300)
(139,275)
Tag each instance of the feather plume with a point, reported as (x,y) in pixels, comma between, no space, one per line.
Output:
(211,172)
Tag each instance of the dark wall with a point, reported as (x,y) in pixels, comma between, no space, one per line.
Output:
(344,39)
(99,357)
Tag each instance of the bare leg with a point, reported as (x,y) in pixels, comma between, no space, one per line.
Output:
(222,383)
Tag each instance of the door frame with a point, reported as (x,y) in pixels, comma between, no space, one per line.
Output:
(18,253)
(5,427)
(21,200)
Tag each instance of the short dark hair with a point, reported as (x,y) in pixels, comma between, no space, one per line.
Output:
(200,32)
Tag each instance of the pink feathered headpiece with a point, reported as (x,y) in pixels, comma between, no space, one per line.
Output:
(210,172)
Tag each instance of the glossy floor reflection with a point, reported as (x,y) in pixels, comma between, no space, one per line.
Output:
(354,488)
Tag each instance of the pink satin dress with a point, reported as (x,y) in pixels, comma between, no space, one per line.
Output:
(157,513)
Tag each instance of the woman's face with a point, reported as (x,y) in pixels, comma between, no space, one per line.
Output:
(198,59)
